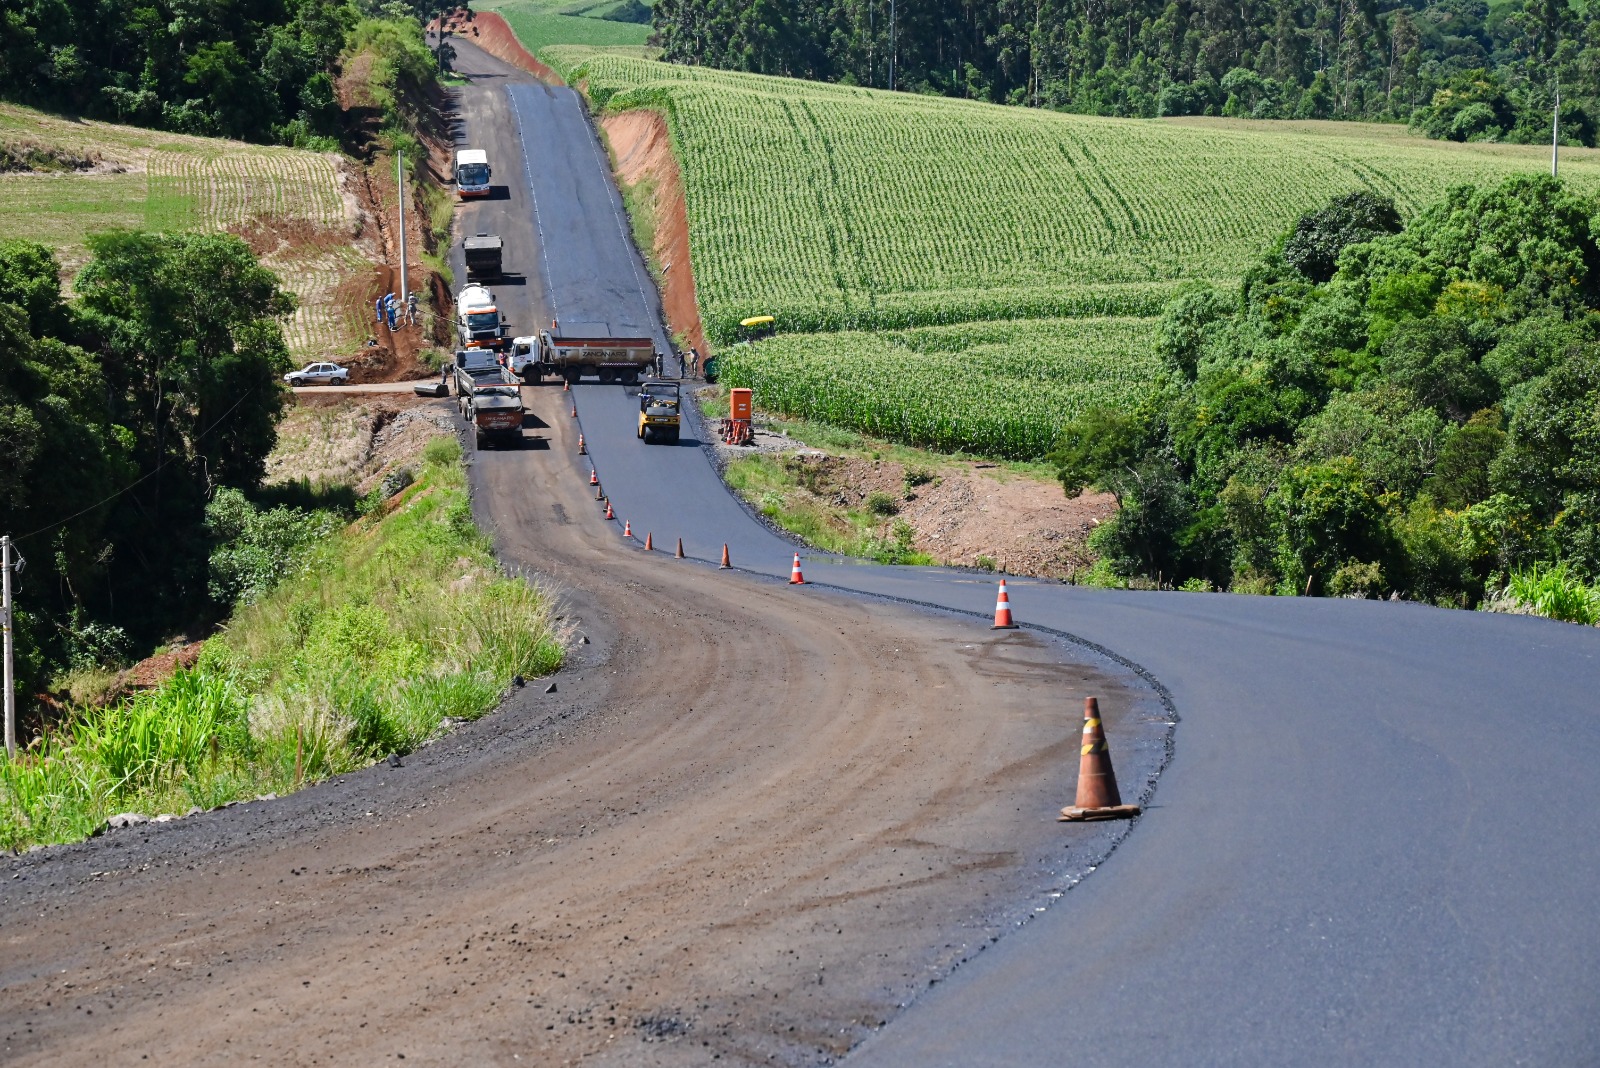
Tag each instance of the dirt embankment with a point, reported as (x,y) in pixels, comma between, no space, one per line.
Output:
(964,514)
(394,355)
(490,32)
(643,149)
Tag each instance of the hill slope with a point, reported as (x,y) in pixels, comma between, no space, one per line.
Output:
(291,205)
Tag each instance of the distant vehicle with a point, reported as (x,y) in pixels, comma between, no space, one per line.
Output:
(489,397)
(482,255)
(472,173)
(479,323)
(660,415)
(318,374)
(610,359)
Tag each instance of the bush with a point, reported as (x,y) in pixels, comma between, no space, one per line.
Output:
(1553,591)
(881,504)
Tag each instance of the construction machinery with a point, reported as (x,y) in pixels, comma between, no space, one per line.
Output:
(489,397)
(482,255)
(610,359)
(660,411)
(479,323)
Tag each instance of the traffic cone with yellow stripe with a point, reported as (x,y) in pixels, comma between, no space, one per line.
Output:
(1002,610)
(1097,798)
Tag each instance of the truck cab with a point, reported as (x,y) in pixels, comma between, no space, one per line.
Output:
(472,173)
(478,320)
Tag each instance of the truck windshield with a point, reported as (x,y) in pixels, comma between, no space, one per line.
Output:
(483,320)
(472,174)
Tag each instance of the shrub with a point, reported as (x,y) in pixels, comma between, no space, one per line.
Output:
(1552,590)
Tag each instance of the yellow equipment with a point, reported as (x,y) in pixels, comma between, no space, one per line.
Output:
(659,411)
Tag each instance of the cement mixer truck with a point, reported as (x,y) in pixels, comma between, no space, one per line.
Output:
(479,323)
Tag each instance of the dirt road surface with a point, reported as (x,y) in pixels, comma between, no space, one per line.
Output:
(752,822)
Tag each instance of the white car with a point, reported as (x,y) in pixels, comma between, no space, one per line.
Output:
(318,374)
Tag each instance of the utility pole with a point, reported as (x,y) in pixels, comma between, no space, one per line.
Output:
(400,185)
(7,551)
(1555,134)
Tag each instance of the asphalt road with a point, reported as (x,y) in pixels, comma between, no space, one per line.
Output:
(1375,843)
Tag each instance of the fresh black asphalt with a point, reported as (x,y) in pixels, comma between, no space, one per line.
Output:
(1376,842)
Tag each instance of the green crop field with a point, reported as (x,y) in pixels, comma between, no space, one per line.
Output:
(540,24)
(166,181)
(836,208)
(996,389)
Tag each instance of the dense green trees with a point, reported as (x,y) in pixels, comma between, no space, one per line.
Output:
(1424,418)
(121,414)
(1462,68)
(260,70)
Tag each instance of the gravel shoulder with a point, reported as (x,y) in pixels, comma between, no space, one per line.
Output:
(751,823)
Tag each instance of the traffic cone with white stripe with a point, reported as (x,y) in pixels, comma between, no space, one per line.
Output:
(1002,610)
(627,528)
(1097,798)
(608,509)
(582,450)
(594,477)
(795,577)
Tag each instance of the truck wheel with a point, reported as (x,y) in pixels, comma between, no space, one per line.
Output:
(607,374)
(672,437)
(477,442)
(589,369)
(630,378)
(573,375)
(532,377)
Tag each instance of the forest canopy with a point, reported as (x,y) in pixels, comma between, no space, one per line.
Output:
(1457,69)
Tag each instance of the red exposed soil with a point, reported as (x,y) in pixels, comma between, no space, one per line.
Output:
(490,32)
(153,671)
(643,149)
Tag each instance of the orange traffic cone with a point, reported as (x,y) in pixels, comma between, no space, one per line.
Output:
(627,528)
(1097,797)
(582,450)
(724,566)
(795,578)
(1002,610)
(574,411)
(608,509)
(649,542)
(679,554)
(594,477)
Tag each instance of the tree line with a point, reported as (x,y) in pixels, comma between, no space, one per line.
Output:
(1458,69)
(256,70)
(1378,409)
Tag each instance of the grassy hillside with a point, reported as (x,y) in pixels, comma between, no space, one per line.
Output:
(542,23)
(290,203)
(844,209)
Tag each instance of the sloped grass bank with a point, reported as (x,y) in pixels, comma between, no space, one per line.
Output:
(394,625)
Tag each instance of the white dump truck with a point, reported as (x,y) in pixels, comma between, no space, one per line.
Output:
(479,323)
(610,359)
(472,173)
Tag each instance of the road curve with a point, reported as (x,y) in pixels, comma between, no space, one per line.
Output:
(1375,842)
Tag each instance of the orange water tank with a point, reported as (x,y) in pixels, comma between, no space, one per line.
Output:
(738,404)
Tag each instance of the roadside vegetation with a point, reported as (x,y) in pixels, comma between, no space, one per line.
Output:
(771,483)
(352,641)
(1379,408)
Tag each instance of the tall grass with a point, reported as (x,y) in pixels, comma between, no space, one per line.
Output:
(401,621)
(1554,591)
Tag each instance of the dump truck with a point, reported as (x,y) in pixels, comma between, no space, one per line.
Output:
(488,396)
(479,323)
(660,412)
(472,173)
(610,359)
(482,254)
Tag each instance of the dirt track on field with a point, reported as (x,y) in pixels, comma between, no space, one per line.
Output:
(751,823)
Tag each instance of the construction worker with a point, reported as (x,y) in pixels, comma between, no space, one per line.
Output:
(377,311)
(411,308)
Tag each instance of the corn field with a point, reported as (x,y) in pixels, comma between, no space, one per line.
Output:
(994,389)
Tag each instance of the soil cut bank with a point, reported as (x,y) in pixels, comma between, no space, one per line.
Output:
(751,823)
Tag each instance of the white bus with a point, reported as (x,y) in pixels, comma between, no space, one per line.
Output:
(472,173)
